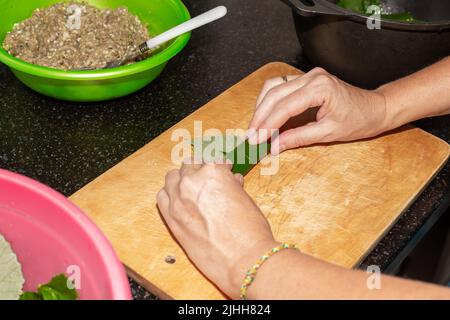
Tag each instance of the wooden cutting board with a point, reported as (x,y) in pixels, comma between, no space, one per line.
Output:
(334,201)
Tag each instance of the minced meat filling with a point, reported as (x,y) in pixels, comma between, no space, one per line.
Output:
(73,36)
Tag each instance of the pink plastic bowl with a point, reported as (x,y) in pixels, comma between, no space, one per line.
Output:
(49,235)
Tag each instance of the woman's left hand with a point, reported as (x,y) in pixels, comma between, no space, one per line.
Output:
(215,221)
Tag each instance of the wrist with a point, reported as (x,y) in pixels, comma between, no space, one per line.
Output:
(245,262)
(387,122)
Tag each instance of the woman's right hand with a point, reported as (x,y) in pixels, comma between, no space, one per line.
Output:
(345,113)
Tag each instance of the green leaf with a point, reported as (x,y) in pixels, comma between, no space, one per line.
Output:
(359,6)
(56,289)
(11,277)
(49,293)
(405,17)
(246,156)
(234,148)
(30,296)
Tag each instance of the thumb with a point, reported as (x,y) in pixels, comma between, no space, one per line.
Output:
(240,178)
(312,133)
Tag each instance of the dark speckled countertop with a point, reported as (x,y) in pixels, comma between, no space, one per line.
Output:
(66,145)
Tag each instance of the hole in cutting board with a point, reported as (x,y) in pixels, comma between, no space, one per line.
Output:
(170,259)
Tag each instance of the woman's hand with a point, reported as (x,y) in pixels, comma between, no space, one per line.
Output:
(345,112)
(215,221)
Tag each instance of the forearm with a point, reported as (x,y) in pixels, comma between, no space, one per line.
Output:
(421,95)
(293,275)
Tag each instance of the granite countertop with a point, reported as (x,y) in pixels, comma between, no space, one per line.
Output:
(66,145)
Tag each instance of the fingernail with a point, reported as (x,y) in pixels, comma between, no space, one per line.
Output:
(253,139)
(250,133)
(253,136)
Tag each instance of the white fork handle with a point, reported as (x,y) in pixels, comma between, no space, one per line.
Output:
(187,26)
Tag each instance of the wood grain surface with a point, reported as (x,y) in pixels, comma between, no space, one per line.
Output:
(335,201)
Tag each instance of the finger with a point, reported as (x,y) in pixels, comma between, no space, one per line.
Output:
(240,178)
(190,167)
(162,199)
(226,163)
(298,102)
(271,84)
(317,132)
(272,96)
(278,92)
(193,160)
(211,169)
(217,158)
(221,164)
(163,202)
(172,180)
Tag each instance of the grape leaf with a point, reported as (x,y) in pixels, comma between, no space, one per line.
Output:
(243,155)
(56,289)
(11,277)
(30,296)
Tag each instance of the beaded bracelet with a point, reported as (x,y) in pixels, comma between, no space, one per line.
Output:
(251,273)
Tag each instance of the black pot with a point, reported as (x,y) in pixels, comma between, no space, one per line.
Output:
(341,42)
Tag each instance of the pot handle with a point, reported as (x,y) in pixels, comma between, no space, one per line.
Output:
(310,8)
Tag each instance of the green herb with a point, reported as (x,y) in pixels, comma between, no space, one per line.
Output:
(234,148)
(362,6)
(30,296)
(359,6)
(56,289)
(406,17)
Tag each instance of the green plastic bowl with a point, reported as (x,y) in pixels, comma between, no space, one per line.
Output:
(99,85)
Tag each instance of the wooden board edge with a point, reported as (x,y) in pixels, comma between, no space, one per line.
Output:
(408,205)
(147,285)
